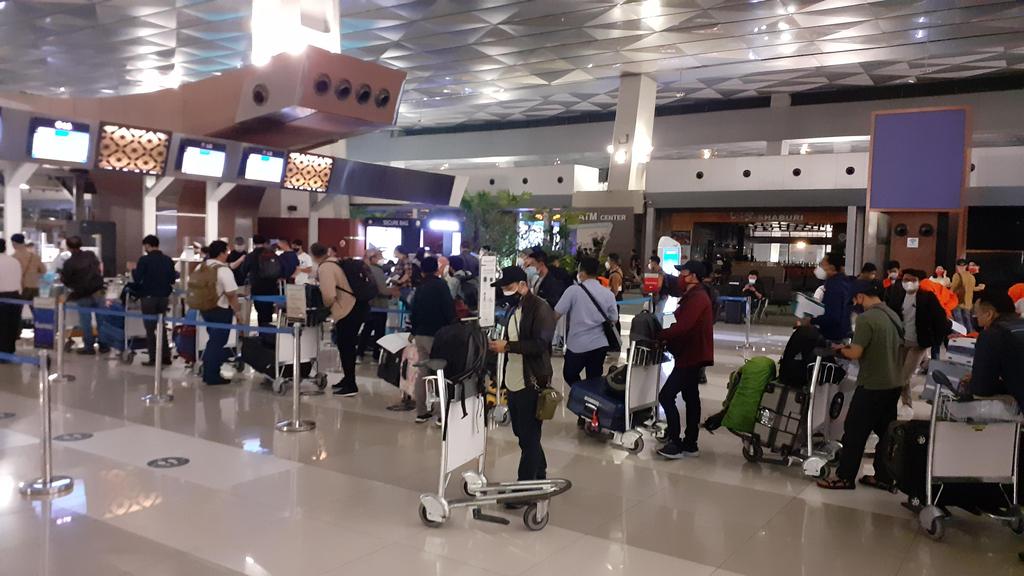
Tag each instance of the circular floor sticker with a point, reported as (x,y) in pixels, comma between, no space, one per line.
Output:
(6,415)
(73,437)
(168,462)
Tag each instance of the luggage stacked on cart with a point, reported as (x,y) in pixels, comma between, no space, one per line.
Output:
(598,405)
(260,357)
(184,338)
(743,401)
(110,329)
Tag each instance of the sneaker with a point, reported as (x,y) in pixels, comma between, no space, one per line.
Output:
(104,349)
(86,351)
(675,451)
(405,405)
(421,418)
(345,390)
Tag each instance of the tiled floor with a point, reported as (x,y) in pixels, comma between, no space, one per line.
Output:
(343,499)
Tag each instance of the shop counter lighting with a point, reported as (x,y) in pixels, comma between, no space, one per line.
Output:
(443,225)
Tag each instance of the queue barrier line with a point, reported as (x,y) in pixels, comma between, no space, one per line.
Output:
(19,359)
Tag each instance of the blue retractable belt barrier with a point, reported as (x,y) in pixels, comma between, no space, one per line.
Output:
(15,301)
(185,321)
(17,359)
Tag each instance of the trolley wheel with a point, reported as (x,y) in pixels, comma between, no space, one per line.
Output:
(278,386)
(752,451)
(128,356)
(637,446)
(937,530)
(321,381)
(1016,524)
(427,521)
(465,489)
(531,520)
(660,434)
(239,366)
(632,441)
(933,520)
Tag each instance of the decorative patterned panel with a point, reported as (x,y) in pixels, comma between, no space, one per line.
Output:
(309,172)
(127,149)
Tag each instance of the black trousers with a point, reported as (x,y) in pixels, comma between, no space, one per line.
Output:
(374,328)
(576,363)
(264,313)
(155,305)
(870,411)
(346,338)
(10,323)
(685,381)
(522,410)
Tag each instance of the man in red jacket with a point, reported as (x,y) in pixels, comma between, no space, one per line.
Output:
(691,341)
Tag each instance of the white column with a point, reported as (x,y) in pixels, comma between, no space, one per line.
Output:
(632,137)
(215,192)
(152,188)
(14,176)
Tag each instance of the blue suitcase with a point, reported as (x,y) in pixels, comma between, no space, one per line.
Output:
(593,396)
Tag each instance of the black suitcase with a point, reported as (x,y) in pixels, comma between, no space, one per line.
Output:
(779,424)
(594,395)
(390,368)
(257,354)
(735,312)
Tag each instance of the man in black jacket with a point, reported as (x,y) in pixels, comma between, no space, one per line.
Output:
(259,268)
(82,275)
(924,322)
(154,278)
(527,368)
(999,353)
(432,309)
(543,283)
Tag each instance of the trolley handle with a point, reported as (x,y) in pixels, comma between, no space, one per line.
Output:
(943,381)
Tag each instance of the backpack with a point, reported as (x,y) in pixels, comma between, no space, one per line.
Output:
(463,347)
(644,327)
(716,303)
(268,266)
(202,288)
(360,279)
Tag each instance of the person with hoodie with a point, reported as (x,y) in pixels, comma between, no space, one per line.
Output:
(925,323)
(876,347)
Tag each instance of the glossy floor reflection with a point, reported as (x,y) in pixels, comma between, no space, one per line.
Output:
(343,499)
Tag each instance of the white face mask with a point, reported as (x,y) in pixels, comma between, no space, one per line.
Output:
(532,271)
(509,291)
(608,265)
(579,279)
(820,273)
(894,275)
(751,279)
(910,287)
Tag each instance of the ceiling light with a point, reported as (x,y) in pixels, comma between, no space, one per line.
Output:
(805,148)
(783,26)
(919,34)
(751,55)
(3,5)
(620,156)
(591,65)
(706,153)
(680,94)
(790,9)
(611,149)
(911,80)
(63,89)
(444,225)
(24,186)
(800,245)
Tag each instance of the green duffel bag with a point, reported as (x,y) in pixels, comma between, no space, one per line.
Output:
(745,400)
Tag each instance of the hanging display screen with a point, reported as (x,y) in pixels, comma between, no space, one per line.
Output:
(309,172)
(58,140)
(137,150)
(262,165)
(200,158)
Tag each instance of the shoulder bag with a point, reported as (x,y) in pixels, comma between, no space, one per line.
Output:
(614,340)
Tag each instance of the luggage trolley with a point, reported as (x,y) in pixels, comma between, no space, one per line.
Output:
(788,420)
(970,442)
(464,439)
(126,334)
(640,393)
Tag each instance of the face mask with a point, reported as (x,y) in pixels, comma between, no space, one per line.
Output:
(894,275)
(579,279)
(820,273)
(973,269)
(608,265)
(509,292)
(858,308)
(910,287)
(532,272)
(751,279)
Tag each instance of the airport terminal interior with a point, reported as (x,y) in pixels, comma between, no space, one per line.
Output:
(307,287)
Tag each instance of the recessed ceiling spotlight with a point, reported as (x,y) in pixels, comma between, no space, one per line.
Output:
(680,94)
(786,37)
(919,34)
(591,65)
(790,9)
(783,26)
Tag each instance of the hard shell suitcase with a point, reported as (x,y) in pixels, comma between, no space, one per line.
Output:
(256,354)
(735,312)
(390,368)
(593,396)
(184,338)
(778,425)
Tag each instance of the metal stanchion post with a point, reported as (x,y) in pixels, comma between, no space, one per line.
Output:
(157,397)
(296,423)
(47,484)
(747,336)
(58,339)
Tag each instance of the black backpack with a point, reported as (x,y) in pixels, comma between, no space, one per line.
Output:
(463,347)
(268,266)
(360,279)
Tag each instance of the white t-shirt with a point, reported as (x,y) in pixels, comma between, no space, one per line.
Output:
(514,375)
(10,274)
(305,261)
(225,282)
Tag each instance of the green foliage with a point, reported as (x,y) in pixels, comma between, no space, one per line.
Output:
(491,220)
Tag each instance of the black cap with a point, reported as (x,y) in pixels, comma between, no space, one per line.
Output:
(694,267)
(509,275)
(869,288)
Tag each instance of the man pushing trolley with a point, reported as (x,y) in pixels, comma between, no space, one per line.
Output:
(531,400)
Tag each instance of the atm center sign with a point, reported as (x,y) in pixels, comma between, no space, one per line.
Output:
(602,217)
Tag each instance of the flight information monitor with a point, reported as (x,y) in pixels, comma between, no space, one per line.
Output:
(200,158)
(309,172)
(262,165)
(136,150)
(58,140)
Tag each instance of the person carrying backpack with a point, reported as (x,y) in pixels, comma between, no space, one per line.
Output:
(82,274)
(264,270)
(347,288)
(212,290)
(432,309)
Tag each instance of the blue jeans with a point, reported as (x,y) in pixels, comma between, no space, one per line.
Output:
(214,353)
(85,318)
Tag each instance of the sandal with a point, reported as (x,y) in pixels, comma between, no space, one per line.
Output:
(836,484)
(873,482)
